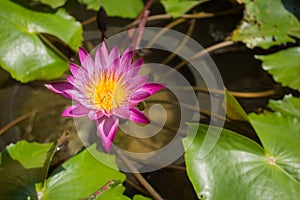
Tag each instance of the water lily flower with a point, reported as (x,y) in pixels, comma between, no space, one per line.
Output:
(105,89)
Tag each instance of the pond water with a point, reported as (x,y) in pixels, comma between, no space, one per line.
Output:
(239,70)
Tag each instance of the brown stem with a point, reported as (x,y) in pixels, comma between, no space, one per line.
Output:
(203,52)
(138,176)
(160,33)
(15,121)
(260,94)
(136,186)
(184,41)
(199,15)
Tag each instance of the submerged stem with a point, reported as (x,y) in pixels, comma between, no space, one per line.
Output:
(138,176)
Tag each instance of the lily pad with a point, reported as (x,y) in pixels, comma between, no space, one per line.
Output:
(289,106)
(266,23)
(53,3)
(284,66)
(239,168)
(177,8)
(22,166)
(115,193)
(22,53)
(116,8)
(81,176)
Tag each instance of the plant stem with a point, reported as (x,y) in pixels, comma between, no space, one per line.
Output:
(138,176)
(184,41)
(260,94)
(203,52)
(56,50)
(16,121)
(199,15)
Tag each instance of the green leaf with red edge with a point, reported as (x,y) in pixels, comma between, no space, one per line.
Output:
(266,23)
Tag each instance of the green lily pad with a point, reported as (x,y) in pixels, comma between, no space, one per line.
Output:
(53,3)
(116,8)
(115,193)
(22,166)
(266,23)
(284,66)
(81,176)
(177,8)
(289,106)
(238,168)
(22,53)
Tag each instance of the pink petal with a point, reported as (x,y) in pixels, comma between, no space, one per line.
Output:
(114,55)
(93,115)
(76,110)
(151,87)
(101,56)
(138,116)
(134,71)
(126,59)
(85,59)
(60,88)
(138,62)
(139,96)
(122,112)
(71,79)
(107,128)
(136,82)
(74,68)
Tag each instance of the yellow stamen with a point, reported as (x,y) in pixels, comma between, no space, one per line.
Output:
(109,93)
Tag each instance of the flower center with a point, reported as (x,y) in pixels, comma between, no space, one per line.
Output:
(109,93)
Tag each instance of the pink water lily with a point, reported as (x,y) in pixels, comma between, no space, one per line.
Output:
(105,89)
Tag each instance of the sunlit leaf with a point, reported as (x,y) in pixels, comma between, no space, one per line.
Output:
(30,155)
(289,106)
(284,66)
(238,168)
(116,8)
(115,193)
(22,166)
(177,8)
(266,23)
(81,176)
(53,3)
(22,53)
(279,133)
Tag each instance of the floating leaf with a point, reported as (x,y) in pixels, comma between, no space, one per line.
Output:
(53,3)
(289,106)
(266,23)
(116,8)
(238,168)
(284,66)
(115,193)
(22,166)
(81,176)
(177,8)
(22,53)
